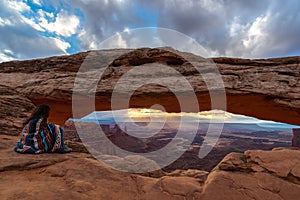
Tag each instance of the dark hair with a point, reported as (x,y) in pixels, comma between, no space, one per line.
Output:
(42,111)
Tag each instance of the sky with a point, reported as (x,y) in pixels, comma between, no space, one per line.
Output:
(233,28)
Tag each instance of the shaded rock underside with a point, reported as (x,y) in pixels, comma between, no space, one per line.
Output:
(268,89)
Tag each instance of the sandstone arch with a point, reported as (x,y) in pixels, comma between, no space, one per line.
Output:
(264,88)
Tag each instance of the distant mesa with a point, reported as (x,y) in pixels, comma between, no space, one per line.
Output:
(239,134)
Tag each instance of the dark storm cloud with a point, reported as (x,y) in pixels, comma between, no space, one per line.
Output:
(238,28)
(283,28)
(103,18)
(210,22)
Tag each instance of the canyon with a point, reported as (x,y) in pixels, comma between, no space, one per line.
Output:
(262,88)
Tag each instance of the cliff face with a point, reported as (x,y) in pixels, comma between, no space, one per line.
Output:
(253,175)
(14,110)
(267,89)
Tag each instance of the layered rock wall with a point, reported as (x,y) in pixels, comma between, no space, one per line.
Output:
(264,88)
(267,89)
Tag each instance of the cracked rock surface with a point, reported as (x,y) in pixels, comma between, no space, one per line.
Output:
(268,89)
(262,88)
(255,175)
(80,176)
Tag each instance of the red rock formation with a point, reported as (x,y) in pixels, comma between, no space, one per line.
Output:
(80,176)
(253,89)
(296,138)
(255,175)
(264,88)
(251,175)
(14,110)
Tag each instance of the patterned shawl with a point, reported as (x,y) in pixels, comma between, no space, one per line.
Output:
(39,137)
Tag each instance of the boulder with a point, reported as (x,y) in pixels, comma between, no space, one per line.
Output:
(255,174)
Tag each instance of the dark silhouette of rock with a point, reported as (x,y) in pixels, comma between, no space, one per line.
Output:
(296,138)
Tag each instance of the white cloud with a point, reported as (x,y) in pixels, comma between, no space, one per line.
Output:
(32,23)
(4,57)
(90,41)
(257,33)
(64,25)
(37,2)
(8,52)
(126,30)
(43,14)
(4,22)
(235,28)
(20,36)
(249,40)
(119,42)
(62,45)
(16,5)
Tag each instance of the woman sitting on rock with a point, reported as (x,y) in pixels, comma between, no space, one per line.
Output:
(39,136)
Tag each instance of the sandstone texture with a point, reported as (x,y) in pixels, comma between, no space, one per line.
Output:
(14,110)
(267,89)
(263,88)
(255,175)
(79,176)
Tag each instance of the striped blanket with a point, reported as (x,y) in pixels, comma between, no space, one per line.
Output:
(39,138)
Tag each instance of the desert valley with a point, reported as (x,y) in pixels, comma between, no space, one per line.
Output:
(248,161)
